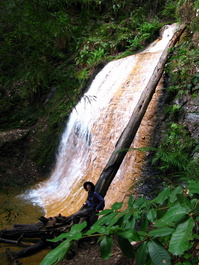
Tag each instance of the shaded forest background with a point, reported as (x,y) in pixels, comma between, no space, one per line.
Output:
(51,50)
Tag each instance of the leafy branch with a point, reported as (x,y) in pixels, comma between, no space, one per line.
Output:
(157,231)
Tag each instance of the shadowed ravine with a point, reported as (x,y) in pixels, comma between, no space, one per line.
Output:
(94,128)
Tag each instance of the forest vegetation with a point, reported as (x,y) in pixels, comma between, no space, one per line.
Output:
(50,51)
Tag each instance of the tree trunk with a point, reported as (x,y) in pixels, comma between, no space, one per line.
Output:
(129,132)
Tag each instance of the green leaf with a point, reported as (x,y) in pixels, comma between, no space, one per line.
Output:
(106,219)
(57,254)
(106,211)
(116,219)
(130,201)
(138,202)
(172,195)
(160,199)
(141,254)
(117,205)
(185,202)
(173,215)
(193,186)
(179,242)
(196,236)
(159,255)
(97,229)
(144,223)
(126,247)
(162,231)
(74,233)
(128,221)
(151,215)
(105,247)
(131,235)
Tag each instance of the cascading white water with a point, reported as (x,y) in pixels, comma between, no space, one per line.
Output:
(94,127)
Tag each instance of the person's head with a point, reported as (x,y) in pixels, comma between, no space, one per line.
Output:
(89,186)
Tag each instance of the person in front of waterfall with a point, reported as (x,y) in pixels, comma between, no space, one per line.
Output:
(95,202)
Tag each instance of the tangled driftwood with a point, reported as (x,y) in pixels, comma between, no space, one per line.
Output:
(24,235)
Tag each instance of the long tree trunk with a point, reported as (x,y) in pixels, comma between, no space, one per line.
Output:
(130,131)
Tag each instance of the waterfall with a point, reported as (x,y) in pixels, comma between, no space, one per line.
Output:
(93,129)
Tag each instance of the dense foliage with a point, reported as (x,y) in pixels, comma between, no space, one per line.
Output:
(159,231)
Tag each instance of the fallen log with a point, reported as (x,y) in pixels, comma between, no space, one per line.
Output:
(14,242)
(29,250)
(130,131)
(46,229)
(12,260)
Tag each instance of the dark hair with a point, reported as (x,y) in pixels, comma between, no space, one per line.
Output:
(89,183)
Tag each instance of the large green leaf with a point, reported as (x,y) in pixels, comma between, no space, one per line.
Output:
(126,247)
(57,254)
(172,195)
(180,238)
(159,255)
(173,215)
(142,254)
(151,214)
(139,202)
(131,201)
(162,231)
(163,195)
(97,229)
(131,234)
(106,211)
(105,247)
(106,219)
(184,201)
(115,220)
(193,186)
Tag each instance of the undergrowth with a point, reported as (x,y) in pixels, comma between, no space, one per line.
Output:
(163,230)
